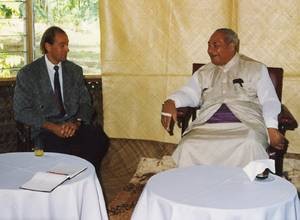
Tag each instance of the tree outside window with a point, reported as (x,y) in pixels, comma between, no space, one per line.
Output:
(79,18)
(12,37)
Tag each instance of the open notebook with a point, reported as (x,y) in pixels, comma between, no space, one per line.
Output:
(49,180)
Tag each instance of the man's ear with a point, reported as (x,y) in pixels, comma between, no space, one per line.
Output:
(47,47)
(232,46)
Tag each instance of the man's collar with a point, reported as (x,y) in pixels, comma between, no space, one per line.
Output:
(230,63)
(50,64)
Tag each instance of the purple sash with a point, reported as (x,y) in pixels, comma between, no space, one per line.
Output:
(223,115)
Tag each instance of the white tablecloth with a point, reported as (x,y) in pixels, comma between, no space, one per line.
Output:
(78,198)
(216,193)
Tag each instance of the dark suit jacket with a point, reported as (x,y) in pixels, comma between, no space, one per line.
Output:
(34,100)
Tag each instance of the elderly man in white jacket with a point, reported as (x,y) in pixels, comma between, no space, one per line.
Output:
(239,108)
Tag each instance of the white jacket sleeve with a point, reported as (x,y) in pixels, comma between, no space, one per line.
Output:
(267,97)
(189,94)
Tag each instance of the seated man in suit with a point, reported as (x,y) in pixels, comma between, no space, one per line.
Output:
(51,96)
(239,108)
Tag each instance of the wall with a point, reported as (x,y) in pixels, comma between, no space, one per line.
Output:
(148,48)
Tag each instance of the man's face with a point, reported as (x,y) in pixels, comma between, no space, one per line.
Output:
(58,51)
(219,51)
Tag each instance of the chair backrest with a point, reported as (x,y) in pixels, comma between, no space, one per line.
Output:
(276,75)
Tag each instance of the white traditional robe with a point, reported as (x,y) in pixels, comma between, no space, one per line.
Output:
(254,103)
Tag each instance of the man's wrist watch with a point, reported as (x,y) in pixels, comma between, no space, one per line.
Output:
(78,121)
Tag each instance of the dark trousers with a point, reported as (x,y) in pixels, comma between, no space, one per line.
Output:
(89,142)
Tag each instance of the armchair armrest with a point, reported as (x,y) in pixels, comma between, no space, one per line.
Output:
(184,115)
(286,120)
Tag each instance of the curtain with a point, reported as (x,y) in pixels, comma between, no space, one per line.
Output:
(148,47)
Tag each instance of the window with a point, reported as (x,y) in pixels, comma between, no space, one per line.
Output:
(20,34)
(79,18)
(13,53)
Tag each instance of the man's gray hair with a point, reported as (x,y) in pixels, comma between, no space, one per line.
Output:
(230,37)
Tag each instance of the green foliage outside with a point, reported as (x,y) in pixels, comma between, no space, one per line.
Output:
(79,18)
(6,12)
(10,59)
(72,12)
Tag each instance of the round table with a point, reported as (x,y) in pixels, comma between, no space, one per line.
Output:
(215,192)
(78,198)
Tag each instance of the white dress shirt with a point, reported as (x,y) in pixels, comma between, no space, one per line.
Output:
(51,72)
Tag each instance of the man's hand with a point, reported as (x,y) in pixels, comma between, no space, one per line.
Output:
(276,138)
(68,129)
(64,130)
(168,113)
